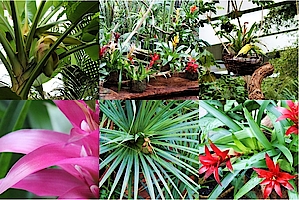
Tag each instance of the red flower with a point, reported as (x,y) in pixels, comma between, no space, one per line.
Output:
(131,59)
(192,66)
(211,162)
(193,8)
(154,57)
(273,178)
(290,113)
(116,37)
(103,50)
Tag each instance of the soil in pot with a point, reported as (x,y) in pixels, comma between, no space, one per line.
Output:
(138,86)
(191,76)
(165,68)
(113,77)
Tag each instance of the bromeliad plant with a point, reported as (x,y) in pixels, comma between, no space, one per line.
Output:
(31,43)
(57,164)
(266,142)
(148,144)
(172,54)
(241,40)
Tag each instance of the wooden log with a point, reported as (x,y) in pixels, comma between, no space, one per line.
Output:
(255,90)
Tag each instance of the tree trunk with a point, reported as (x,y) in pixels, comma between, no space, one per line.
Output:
(255,91)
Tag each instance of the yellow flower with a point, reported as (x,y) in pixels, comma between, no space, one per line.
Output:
(175,40)
(177,14)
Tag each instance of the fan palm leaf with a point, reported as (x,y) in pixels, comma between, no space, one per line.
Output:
(152,143)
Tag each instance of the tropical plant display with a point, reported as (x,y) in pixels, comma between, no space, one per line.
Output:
(241,39)
(39,39)
(59,163)
(158,36)
(163,149)
(253,148)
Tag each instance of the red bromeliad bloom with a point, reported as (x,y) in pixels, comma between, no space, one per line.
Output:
(192,66)
(273,178)
(211,162)
(103,50)
(290,113)
(116,37)
(154,57)
(193,8)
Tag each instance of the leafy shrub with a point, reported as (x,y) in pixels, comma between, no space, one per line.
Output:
(224,88)
(283,86)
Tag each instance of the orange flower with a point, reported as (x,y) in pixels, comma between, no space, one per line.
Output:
(193,8)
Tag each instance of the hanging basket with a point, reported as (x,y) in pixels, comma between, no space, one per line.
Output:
(240,65)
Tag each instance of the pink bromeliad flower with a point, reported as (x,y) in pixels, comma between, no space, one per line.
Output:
(75,156)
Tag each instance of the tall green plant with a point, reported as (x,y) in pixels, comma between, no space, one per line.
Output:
(149,143)
(31,46)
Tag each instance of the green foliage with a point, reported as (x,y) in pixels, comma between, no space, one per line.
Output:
(281,17)
(285,84)
(224,88)
(149,144)
(238,127)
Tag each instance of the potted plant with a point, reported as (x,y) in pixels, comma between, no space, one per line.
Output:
(191,69)
(242,55)
(137,75)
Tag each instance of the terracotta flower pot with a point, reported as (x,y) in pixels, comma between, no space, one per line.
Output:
(191,76)
(138,86)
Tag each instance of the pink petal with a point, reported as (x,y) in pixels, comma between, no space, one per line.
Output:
(72,111)
(89,140)
(49,182)
(268,189)
(287,185)
(79,114)
(79,193)
(27,140)
(203,169)
(277,189)
(38,159)
(85,168)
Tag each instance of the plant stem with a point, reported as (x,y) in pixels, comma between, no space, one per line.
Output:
(140,23)
(18,35)
(169,16)
(23,91)
(73,50)
(34,25)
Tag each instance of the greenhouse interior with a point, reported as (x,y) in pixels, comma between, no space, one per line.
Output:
(149,99)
